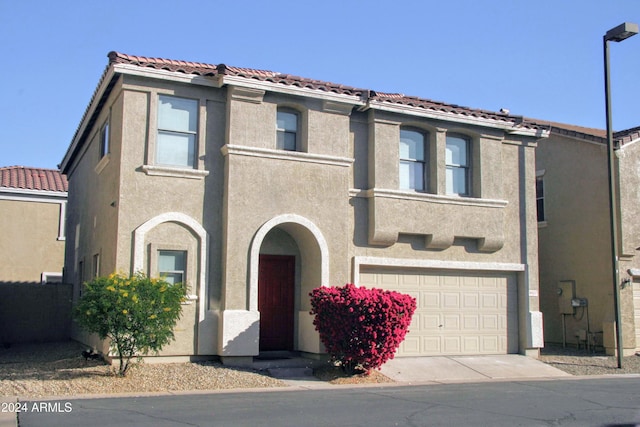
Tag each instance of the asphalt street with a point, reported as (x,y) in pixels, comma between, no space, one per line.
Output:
(609,401)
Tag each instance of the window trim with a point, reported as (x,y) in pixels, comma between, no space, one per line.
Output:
(196,133)
(105,139)
(297,134)
(183,272)
(541,198)
(468,168)
(153,259)
(95,265)
(425,158)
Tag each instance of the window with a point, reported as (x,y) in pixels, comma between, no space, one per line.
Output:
(80,277)
(104,140)
(171,266)
(177,131)
(458,165)
(540,197)
(287,130)
(96,265)
(412,161)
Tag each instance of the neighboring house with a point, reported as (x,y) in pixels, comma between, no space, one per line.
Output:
(575,239)
(255,187)
(32,207)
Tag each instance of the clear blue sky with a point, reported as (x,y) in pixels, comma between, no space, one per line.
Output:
(538,58)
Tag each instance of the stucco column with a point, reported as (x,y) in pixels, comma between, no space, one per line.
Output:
(531,318)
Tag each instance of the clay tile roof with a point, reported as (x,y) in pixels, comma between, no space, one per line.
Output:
(626,136)
(591,134)
(201,69)
(26,178)
(428,104)
(185,67)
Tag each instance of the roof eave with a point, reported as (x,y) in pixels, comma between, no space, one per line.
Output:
(34,192)
(291,90)
(104,87)
(508,126)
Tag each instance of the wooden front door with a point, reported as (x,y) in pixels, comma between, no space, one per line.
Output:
(276,284)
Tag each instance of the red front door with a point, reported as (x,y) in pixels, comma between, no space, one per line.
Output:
(276,282)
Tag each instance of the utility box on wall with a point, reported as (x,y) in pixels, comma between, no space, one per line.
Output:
(566,293)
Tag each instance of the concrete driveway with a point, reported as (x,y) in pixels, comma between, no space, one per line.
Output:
(467,368)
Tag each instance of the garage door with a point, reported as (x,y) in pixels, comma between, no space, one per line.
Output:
(458,313)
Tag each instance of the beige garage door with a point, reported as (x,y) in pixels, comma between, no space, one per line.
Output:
(458,313)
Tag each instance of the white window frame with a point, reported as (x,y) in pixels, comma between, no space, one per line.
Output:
(285,131)
(183,272)
(540,198)
(105,143)
(466,168)
(192,135)
(424,182)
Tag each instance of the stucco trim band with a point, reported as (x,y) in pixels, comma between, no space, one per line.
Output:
(286,155)
(428,197)
(359,261)
(203,237)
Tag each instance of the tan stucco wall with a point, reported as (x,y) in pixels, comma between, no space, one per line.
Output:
(250,198)
(575,238)
(30,243)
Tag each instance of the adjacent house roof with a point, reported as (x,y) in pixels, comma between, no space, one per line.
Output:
(26,178)
(620,138)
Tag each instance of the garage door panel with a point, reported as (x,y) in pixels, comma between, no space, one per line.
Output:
(471,300)
(471,323)
(457,312)
(471,345)
(429,321)
(411,346)
(452,344)
(450,300)
(451,322)
(429,300)
(490,301)
(490,344)
(430,345)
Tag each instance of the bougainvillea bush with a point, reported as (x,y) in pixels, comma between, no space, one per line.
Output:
(136,313)
(361,328)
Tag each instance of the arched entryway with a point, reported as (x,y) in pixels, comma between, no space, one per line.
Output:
(289,258)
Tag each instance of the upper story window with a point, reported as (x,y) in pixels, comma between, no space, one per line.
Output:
(413,171)
(172,266)
(540,197)
(177,131)
(104,139)
(458,161)
(287,130)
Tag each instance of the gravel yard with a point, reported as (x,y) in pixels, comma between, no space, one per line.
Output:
(582,362)
(58,369)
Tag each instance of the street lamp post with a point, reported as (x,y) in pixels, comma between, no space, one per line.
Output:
(617,34)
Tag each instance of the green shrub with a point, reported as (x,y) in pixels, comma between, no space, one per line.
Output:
(136,313)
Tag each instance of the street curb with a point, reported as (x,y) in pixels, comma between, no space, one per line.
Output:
(306,385)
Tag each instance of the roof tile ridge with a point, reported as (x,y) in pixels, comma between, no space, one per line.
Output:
(120,58)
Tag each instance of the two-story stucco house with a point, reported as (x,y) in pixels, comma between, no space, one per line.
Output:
(255,187)
(32,211)
(575,238)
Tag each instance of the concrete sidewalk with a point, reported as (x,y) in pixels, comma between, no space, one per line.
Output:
(467,368)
